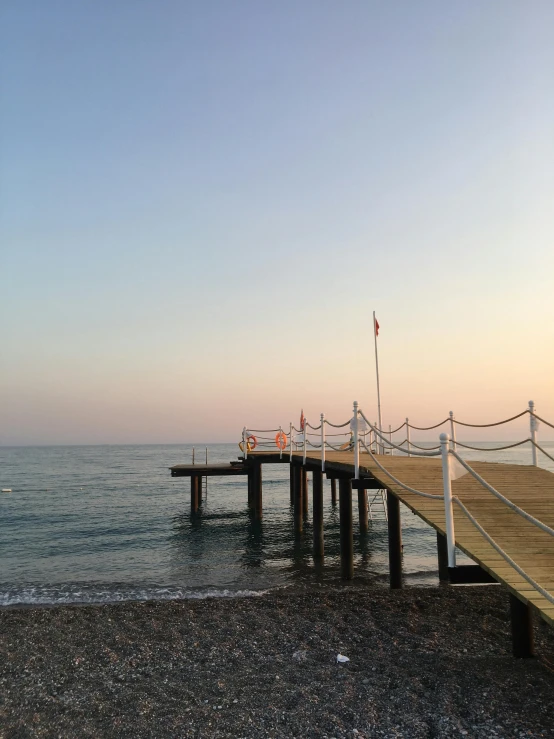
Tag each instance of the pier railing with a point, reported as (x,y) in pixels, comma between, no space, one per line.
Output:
(362,434)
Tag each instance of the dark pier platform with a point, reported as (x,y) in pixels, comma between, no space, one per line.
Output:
(208,470)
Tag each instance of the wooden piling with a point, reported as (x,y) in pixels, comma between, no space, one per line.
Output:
(291,473)
(522,628)
(195,486)
(363,511)
(298,517)
(305,500)
(346,533)
(251,484)
(333,492)
(395,540)
(317,511)
(258,491)
(442,555)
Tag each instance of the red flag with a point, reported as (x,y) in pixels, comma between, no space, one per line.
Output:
(376,327)
(302,421)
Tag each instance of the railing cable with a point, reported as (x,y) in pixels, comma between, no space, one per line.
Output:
(506,501)
(489,425)
(493,449)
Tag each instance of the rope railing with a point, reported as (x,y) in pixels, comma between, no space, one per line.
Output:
(493,449)
(393,431)
(425,448)
(546,454)
(262,431)
(428,428)
(399,482)
(390,443)
(490,425)
(497,494)
(338,425)
(385,438)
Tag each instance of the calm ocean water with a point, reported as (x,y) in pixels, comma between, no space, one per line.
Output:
(108,523)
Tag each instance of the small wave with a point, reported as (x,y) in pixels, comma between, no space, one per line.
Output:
(51,595)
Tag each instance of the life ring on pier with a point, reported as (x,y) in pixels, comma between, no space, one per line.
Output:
(251,443)
(280,440)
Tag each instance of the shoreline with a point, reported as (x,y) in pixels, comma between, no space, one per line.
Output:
(424,662)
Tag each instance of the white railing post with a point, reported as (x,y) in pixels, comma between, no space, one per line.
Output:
(533,428)
(452,430)
(408,438)
(390,440)
(448,513)
(356,443)
(322,442)
(305,432)
(290,434)
(244,443)
(280,442)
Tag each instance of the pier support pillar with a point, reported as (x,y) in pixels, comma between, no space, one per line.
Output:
(333,492)
(291,472)
(195,492)
(346,534)
(317,504)
(522,628)
(442,554)
(250,478)
(257,480)
(305,491)
(363,511)
(298,517)
(395,540)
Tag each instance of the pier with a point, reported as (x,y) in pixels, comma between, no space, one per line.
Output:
(500,515)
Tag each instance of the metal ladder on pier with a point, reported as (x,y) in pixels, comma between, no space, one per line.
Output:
(377,499)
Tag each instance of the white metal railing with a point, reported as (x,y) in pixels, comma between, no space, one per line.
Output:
(360,431)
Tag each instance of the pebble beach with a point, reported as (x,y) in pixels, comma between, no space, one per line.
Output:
(423,662)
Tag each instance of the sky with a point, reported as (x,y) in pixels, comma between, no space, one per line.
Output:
(201,204)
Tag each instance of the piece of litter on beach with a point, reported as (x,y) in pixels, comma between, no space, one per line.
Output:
(342,659)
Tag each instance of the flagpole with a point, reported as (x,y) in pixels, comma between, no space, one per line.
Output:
(377,374)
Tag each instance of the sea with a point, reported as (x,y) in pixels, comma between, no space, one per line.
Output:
(103,524)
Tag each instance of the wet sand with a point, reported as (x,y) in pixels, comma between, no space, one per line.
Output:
(424,662)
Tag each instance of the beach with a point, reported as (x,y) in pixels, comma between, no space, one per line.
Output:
(423,662)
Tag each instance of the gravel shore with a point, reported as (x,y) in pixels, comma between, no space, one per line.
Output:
(424,662)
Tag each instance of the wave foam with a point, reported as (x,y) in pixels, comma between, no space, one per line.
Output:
(31,595)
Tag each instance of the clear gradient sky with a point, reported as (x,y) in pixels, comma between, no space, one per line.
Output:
(202,203)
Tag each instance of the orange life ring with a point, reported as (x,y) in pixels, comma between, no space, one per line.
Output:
(280,440)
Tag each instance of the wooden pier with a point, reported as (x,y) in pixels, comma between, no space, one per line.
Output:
(530,487)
